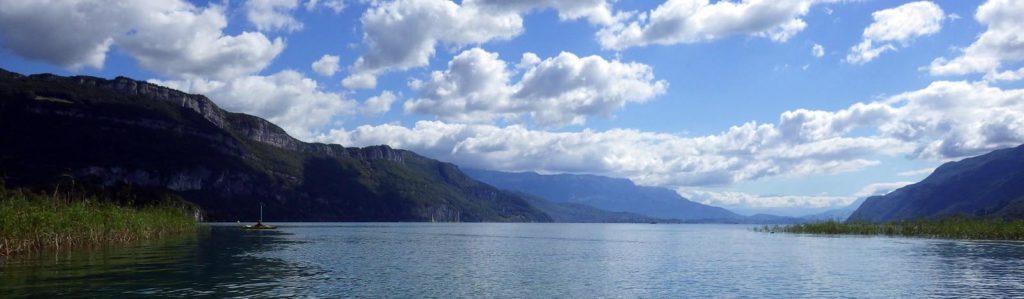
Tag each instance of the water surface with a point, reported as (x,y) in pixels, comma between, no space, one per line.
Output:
(522,260)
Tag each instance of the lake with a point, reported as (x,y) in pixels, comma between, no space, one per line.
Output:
(522,260)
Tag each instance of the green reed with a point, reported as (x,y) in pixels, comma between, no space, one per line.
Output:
(947,228)
(31,221)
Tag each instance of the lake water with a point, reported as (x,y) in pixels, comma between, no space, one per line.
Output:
(523,260)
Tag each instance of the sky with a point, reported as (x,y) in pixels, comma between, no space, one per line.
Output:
(782,106)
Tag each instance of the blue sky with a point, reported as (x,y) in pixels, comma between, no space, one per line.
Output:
(726,102)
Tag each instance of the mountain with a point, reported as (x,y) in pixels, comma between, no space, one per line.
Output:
(123,135)
(990,185)
(610,194)
(840,214)
(580,213)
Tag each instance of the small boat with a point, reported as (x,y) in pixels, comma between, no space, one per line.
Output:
(259,224)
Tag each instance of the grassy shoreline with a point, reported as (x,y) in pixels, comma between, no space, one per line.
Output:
(32,221)
(946,228)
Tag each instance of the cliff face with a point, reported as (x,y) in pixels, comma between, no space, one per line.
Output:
(122,132)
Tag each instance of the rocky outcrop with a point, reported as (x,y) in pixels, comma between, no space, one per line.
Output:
(250,127)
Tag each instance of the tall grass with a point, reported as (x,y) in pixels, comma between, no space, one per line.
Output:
(32,221)
(947,228)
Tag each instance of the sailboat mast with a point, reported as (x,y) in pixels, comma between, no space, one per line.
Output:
(261,212)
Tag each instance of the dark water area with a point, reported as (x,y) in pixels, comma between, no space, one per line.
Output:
(403,260)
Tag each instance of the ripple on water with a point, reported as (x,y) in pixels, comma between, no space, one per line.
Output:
(524,260)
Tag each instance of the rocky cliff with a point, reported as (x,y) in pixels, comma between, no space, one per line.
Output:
(124,134)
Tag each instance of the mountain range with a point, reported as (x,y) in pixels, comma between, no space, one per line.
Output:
(617,195)
(128,136)
(137,141)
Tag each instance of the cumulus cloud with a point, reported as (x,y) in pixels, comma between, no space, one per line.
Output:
(379,104)
(556,91)
(1002,41)
(941,121)
(896,26)
(173,38)
(817,51)
(691,21)
(71,34)
(286,98)
(425,24)
(327,65)
(269,15)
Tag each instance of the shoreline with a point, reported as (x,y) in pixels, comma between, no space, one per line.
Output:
(956,228)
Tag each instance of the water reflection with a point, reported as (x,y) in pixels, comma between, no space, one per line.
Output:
(220,261)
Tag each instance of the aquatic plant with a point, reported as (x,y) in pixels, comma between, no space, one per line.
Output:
(950,228)
(31,221)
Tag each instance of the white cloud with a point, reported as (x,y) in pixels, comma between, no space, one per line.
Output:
(941,121)
(880,188)
(1002,42)
(71,34)
(337,6)
(556,91)
(425,24)
(595,11)
(529,60)
(958,119)
(270,15)
(817,51)
(173,38)
(379,104)
(691,21)
(286,98)
(327,65)
(896,26)
(1005,75)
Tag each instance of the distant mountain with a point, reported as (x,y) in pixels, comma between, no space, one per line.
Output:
(610,194)
(123,135)
(580,213)
(990,185)
(840,214)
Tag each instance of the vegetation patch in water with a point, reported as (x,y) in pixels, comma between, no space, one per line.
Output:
(949,228)
(31,221)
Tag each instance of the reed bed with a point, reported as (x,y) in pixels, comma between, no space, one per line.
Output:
(32,221)
(946,228)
